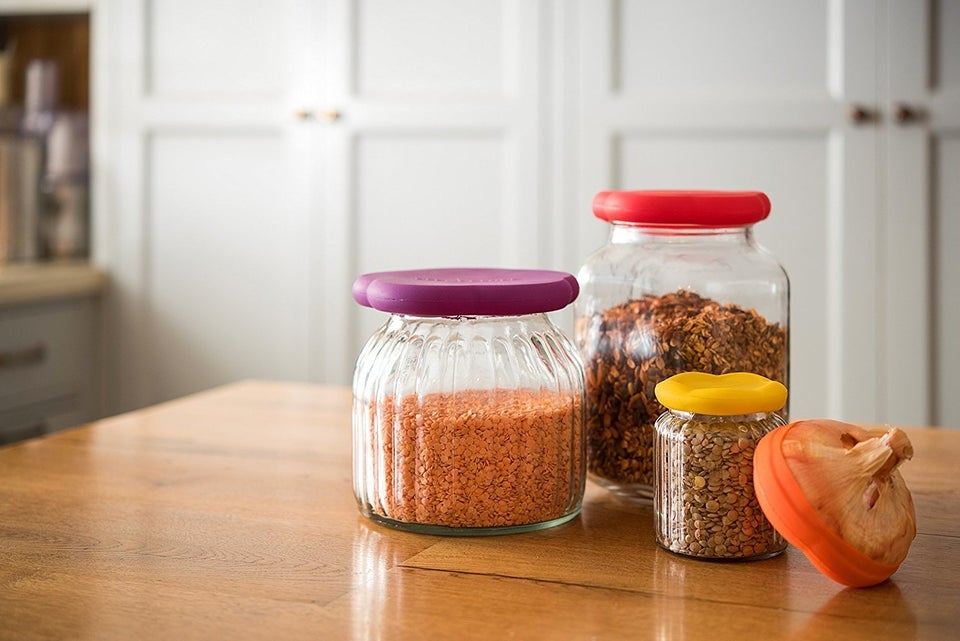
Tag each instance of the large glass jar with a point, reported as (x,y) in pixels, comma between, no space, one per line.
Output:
(704,499)
(680,286)
(468,403)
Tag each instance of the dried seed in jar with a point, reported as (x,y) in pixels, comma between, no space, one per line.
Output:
(723,515)
(662,336)
(477,458)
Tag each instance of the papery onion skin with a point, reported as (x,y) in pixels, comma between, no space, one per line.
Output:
(849,475)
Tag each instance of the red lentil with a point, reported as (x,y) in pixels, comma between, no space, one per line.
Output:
(477,458)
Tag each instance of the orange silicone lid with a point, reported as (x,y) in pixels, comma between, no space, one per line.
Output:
(791,513)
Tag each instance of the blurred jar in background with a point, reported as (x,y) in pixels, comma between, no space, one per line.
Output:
(65,187)
(41,97)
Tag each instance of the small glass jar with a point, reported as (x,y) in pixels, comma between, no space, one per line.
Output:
(704,500)
(681,286)
(468,403)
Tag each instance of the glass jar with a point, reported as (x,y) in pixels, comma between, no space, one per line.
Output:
(468,403)
(704,501)
(680,286)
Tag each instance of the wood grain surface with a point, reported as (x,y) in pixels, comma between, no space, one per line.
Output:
(230,515)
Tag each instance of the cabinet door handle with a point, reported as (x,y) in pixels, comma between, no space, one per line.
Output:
(859,114)
(904,114)
(23,357)
(321,115)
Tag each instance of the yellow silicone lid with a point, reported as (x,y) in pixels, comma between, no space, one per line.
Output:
(721,395)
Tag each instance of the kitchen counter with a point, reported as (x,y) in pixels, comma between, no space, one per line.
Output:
(229,515)
(22,283)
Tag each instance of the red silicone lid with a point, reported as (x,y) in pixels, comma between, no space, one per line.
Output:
(683,208)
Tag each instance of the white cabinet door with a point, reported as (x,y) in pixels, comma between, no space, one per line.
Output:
(207,227)
(435,159)
(750,95)
(922,213)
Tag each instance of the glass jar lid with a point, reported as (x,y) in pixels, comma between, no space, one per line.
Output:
(680,208)
(721,394)
(466,291)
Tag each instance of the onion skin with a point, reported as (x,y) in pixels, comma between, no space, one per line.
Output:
(833,489)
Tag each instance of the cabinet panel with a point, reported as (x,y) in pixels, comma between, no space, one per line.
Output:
(946,26)
(226,269)
(429,201)
(434,199)
(792,170)
(946,284)
(429,47)
(706,45)
(234,47)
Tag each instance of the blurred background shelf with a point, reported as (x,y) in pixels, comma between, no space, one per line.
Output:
(24,283)
(37,7)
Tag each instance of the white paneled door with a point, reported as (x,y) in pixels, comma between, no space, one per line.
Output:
(434,160)
(753,95)
(204,180)
(921,173)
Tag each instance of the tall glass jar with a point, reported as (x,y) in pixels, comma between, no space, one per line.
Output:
(468,403)
(681,285)
(704,502)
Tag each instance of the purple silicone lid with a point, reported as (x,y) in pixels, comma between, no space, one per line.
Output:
(466,291)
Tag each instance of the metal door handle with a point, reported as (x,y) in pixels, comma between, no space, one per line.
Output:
(904,114)
(322,115)
(859,114)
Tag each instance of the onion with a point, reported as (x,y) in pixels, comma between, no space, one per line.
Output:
(833,490)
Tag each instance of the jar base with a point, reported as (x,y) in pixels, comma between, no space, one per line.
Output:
(724,559)
(634,492)
(444,530)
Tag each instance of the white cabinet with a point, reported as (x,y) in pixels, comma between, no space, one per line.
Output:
(206,211)
(259,155)
(751,95)
(49,366)
(920,167)
(437,158)
(255,157)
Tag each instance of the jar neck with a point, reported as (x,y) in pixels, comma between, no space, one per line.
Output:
(714,418)
(627,233)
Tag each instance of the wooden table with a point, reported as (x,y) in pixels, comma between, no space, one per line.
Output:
(229,515)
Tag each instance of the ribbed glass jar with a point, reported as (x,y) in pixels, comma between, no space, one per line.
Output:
(704,498)
(470,424)
(681,285)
